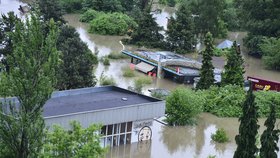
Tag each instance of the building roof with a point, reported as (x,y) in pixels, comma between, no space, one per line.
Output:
(92,99)
(225,44)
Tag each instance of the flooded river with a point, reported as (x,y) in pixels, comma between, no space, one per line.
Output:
(175,142)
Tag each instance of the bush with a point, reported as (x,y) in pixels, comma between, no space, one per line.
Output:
(117,55)
(228,101)
(263,99)
(127,72)
(183,106)
(158,95)
(140,83)
(112,24)
(106,61)
(104,80)
(224,101)
(90,15)
(220,136)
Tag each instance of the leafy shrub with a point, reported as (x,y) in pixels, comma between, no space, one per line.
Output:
(271,53)
(183,106)
(105,80)
(228,101)
(158,95)
(224,101)
(106,61)
(112,24)
(140,83)
(263,99)
(117,55)
(127,72)
(90,15)
(220,136)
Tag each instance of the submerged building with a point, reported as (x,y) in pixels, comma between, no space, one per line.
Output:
(168,65)
(126,116)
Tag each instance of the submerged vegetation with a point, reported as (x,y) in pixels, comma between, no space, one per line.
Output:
(220,136)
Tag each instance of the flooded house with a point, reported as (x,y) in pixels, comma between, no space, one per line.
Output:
(126,116)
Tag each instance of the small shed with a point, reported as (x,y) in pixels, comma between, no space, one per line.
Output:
(225,44)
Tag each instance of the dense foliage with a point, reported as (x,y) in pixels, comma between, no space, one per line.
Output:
(248,129)
(30,79)
(51,9)
(234,69)
(148,32)
(7,26)
(70,6)
(207,68)
(77,61)
(183,106)
(77,142)
(270,136)
(271,52)
(180,31)
(224,101)
(220,136)
(259,23)
(208,17)
(90,15)
(112,24)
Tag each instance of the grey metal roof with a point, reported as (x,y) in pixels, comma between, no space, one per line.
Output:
(92,99)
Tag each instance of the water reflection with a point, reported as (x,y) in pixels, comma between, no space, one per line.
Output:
(11,5)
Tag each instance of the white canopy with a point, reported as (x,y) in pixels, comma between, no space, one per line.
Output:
(144,67)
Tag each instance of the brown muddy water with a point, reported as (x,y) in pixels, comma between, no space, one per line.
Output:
(167,142)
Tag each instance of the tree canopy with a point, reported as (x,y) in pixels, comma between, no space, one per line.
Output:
(248,129)
(77,142)
(259,23)
(30,79)
(77,61)
(208,17)
(207,70)
(183,106)
(270,136)
(180,31)
(234,69)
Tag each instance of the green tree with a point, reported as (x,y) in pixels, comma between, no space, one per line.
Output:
(207,70)
(271,52)
(51,9)
(30,79)
(182,107)
(112,24)
(259,24)
(7,26)
(148,32)
(270,136)
(234,69)
(208,17)
(180,31)
(103,5)
(77,61)
(76,142)
(248,129)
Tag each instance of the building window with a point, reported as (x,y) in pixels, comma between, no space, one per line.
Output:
(117,134)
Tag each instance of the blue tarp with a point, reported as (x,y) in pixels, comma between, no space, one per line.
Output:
(225,44)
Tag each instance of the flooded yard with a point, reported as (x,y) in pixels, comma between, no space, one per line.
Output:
(175,142)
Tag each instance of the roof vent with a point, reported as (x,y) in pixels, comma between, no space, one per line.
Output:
(124,99)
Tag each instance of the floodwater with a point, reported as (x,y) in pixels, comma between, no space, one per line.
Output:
(175,142)
(188,141)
